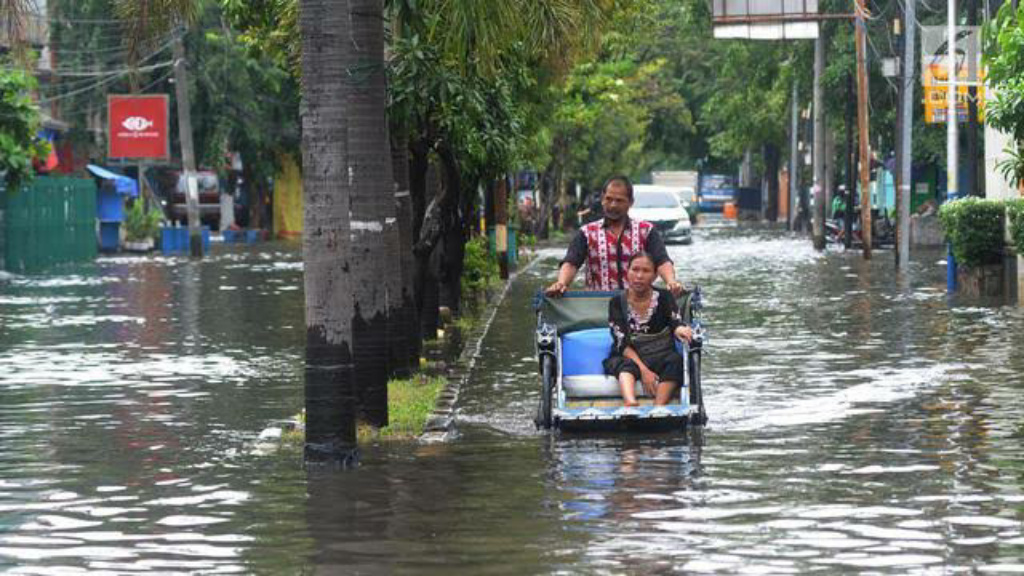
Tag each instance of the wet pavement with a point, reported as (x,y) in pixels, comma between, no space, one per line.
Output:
(861,420)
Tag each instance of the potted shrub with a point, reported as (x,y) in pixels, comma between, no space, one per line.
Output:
(141,227)
(1015,213)
(974,227)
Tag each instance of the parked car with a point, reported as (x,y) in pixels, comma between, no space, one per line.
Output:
(209,199)
(661,206)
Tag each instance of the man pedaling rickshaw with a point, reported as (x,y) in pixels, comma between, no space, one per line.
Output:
(606,245)
(625,255)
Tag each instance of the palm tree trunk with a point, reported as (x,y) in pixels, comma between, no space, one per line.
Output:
(376,279)
(330,406)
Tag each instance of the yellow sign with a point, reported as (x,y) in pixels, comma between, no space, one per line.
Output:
(936,91)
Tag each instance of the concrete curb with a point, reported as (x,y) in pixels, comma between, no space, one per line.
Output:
(440,423)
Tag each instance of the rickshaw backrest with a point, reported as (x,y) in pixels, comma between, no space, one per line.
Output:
(580,310)
(576,310)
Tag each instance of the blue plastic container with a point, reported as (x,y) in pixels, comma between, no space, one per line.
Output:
(109,205)
(231,236)
(584,351)
(110,236)
(170,239)
(175,240)
(252,236)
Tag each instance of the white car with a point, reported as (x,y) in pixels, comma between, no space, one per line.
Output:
(661,206)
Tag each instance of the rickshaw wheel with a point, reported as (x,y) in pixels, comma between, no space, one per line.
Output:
(696,394)
(546,392)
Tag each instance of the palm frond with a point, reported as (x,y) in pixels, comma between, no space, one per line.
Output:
(13,18)
(147,20)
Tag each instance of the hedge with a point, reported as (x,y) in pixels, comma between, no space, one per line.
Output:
(1015,212)
(974,226)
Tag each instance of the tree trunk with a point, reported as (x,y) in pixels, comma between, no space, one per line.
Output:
(545,186)
(419,167)
(454,230)
(330,406)
(427,254)
(771,175)
(376,281)
(410,323)
(500,188)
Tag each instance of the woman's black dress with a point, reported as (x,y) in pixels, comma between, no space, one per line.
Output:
(662,316)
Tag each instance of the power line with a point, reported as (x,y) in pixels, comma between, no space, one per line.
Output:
(105,82)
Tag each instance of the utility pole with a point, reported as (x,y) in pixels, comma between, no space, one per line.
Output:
(188,158)
(951,132)
(906,138)
(851,166)
(793,160)
(819,142)
(862,128)
(973,182)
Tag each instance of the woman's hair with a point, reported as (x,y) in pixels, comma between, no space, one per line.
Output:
(640,254)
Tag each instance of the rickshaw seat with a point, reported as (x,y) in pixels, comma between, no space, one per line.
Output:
(583,352)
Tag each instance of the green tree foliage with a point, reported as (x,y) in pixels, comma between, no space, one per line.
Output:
(241,101)
(602,121)
(19,124)
(1004,54)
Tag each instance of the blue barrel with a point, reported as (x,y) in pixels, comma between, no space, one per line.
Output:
(110,236)
(109,205)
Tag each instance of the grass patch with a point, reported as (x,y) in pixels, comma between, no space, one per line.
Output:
(467,322)
(409,403)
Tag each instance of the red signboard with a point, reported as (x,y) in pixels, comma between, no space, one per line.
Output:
(137,126)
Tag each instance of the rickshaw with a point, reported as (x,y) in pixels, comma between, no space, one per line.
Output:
(572,340)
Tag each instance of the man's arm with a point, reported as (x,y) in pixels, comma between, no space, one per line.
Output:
(565,275)
(665,267)
(574,258)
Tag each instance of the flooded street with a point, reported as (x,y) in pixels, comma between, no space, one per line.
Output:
(860,421)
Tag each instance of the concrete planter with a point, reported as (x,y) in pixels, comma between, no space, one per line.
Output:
(139,245)
(988,280)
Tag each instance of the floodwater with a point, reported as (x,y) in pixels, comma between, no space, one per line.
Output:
(861,421)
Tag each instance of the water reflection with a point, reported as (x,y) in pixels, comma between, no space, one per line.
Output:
(861,421)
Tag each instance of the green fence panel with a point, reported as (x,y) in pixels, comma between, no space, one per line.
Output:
(51,221)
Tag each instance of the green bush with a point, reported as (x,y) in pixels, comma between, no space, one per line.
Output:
(1015,211)
(479,267)
(526,240)
(140,225)
(974,226)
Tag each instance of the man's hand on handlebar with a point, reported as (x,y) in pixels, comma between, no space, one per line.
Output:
(556,289)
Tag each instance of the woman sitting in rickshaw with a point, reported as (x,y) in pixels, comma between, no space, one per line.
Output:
(645,321)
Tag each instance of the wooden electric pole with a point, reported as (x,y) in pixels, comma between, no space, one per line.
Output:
(188,157)
(906,138)
(818,227)
(794,159)
(862,128)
